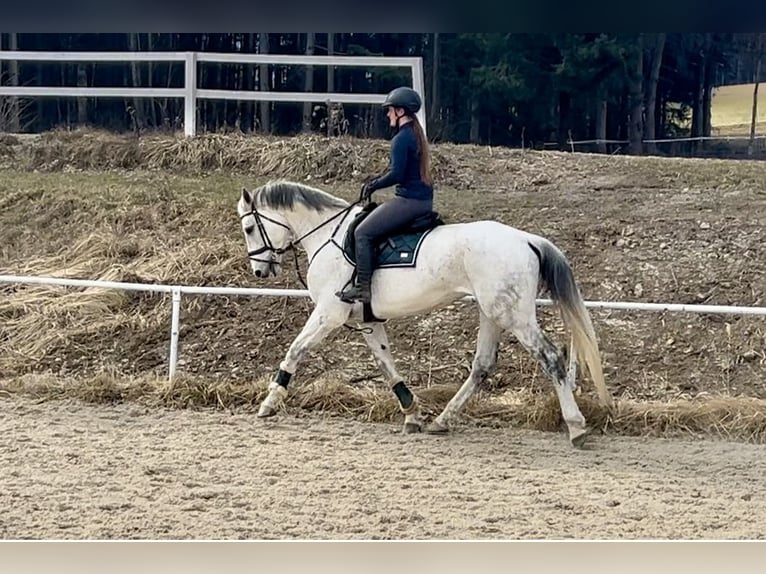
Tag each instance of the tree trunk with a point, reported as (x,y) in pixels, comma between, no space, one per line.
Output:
(205,106)
(651,92)
(707,101)
(698,117)
(601,109)
(248,113)
(219,108)
(330,69)
(754,118)
(82,103)
(163,105)
(151,108)
(699,96)
(308,85)
(707,96)
(564,123)
(474,134)
(263,84)
(135,76)
(636,96)
(756,81)
(13,73)
(435,103)
(63,105)
(240,44)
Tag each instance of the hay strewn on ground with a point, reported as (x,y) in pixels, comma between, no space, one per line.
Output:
(729,418)
(161,209)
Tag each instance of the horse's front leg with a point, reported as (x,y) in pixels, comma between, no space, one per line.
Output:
(322,321)
(377,340)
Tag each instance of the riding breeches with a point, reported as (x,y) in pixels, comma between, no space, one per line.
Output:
(391,215)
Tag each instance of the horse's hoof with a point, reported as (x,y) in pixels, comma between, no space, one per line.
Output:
(437,428)
(266,411)
(412,428)
(579,437)
(272,402)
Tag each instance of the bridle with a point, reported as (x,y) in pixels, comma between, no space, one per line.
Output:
(268,246)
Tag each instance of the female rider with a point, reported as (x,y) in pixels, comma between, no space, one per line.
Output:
(410,172)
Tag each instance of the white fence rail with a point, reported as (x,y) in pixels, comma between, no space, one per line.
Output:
(191,93)
(177,290)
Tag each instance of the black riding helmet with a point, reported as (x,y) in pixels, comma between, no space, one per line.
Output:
(403,97)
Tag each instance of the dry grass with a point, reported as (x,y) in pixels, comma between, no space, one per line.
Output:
(730,418)
(309,158)
(740,130)
(317,159)
(313,156)
(39,319)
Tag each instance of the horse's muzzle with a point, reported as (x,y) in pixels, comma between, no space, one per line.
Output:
(272,269)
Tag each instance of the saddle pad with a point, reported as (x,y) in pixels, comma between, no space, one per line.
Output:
(399,250)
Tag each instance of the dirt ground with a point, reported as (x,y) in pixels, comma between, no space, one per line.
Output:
(76,471)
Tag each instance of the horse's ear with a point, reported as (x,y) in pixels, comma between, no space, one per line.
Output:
(246,197)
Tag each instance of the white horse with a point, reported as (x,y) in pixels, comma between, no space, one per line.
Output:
(498,265)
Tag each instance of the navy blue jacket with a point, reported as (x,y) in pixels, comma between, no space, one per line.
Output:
(404,170)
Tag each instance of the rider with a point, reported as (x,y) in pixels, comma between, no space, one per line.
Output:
(410,171)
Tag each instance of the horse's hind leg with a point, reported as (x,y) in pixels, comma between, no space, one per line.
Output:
(377,340)
(483,363)
(540,346)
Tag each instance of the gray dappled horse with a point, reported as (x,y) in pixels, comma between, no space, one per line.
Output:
(500,266)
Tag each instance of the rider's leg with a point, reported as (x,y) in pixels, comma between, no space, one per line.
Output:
(390,216)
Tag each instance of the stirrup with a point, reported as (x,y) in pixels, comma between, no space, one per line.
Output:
(355,294)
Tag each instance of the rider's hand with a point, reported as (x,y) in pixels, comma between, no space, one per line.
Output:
(368,189)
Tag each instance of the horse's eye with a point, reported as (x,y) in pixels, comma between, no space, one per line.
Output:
(249,229)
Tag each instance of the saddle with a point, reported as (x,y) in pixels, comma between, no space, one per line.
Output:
(397,249)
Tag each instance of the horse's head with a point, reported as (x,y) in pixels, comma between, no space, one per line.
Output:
(266,235)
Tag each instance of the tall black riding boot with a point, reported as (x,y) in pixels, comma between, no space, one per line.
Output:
(361,291)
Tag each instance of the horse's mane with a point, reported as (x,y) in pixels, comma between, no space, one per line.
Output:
(288,194)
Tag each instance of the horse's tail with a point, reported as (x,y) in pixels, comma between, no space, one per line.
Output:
(559,279)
